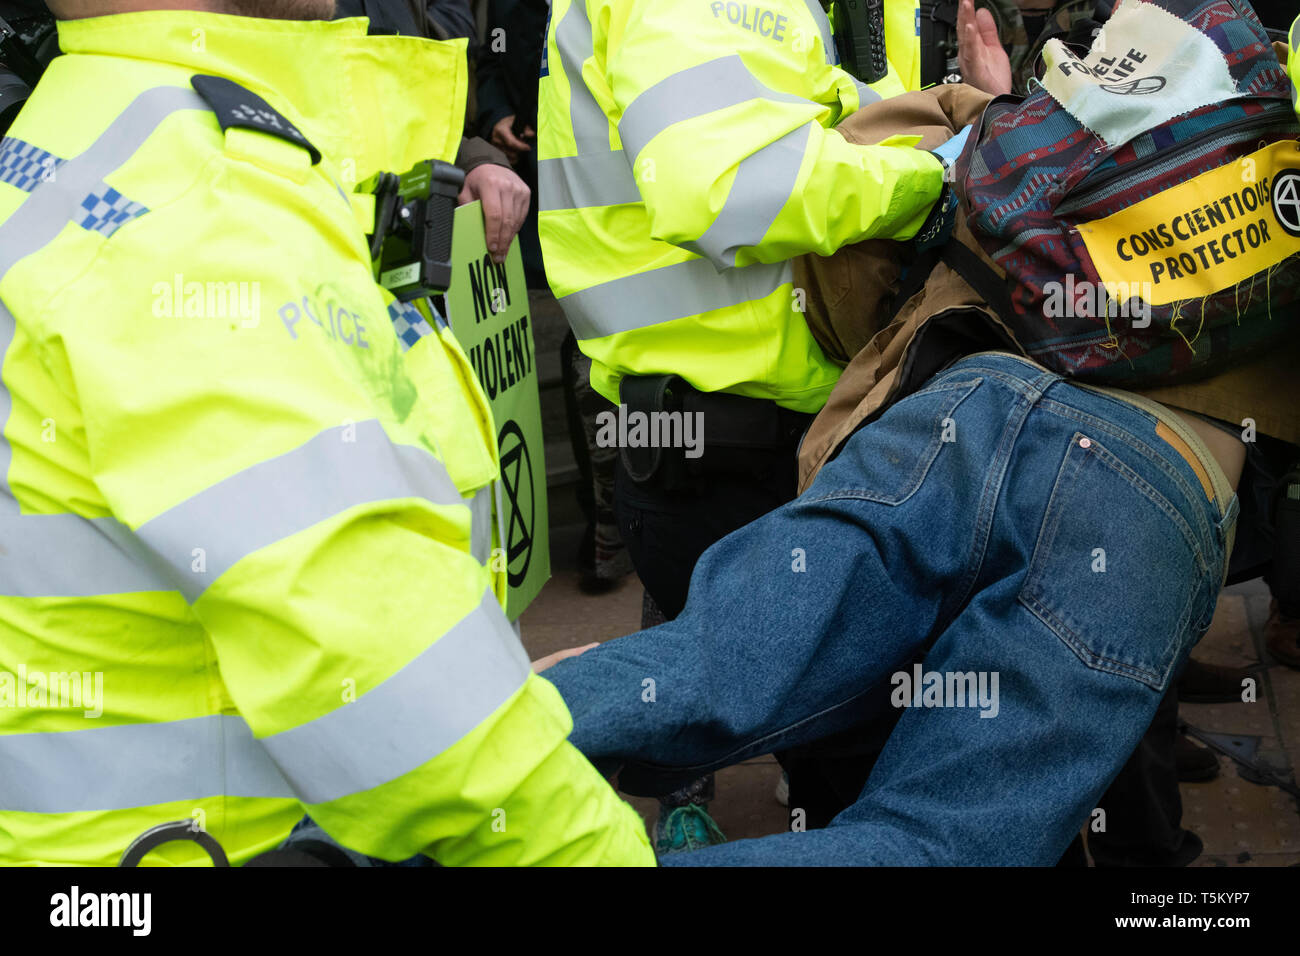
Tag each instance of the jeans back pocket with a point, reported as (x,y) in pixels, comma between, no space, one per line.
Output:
(889,465)
(1115,568)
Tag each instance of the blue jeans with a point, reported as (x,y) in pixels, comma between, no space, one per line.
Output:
(1024,530)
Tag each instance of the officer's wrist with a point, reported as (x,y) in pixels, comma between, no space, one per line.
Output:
(947,198)
(938,224)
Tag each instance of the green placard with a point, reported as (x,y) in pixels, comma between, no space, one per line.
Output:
(487,306)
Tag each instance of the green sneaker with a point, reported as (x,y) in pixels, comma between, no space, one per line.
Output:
(686,828)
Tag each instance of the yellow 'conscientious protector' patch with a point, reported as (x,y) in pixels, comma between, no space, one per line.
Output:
(1207,234)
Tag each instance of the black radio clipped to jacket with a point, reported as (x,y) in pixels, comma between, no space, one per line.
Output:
(414,215)
(859,27)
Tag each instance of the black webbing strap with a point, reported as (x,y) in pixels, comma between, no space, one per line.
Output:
(977,274)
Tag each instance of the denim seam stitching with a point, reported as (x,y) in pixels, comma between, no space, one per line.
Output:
(922,467)
(1024,404)
(1027,395)
(1183,622)
(1051,520)
(1176,430)
(731,758)
(1143,449)
(1088,656)
(1019,385)
(1128,438)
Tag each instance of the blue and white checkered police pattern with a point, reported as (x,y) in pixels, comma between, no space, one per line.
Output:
(26,166)
(107,211)
(409,324)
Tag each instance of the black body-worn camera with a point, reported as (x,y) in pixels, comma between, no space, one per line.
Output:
(414,214)
(859,27)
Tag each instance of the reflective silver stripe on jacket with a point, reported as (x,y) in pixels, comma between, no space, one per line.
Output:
(573,39)
(481,524)
(135,765)
(687,94)
(70,556)
(598,175)
(403,723)
(639,301)
(410,718)
(192,544)
(586,182)
(866,95)
(204,536)
(764,183)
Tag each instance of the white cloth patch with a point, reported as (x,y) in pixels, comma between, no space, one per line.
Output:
(1145,67)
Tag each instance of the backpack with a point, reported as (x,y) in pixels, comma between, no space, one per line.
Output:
(1149,224)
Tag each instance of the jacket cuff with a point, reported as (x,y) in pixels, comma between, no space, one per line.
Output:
(476,152)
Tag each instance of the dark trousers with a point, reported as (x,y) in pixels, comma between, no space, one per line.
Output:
(667,531)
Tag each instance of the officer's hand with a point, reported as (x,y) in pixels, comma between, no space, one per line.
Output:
(504,138)
(550,660)
(984,64)
(505,204)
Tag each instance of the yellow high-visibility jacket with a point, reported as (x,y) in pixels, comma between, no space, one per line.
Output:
(686,154)
(242,564)
(903,41)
